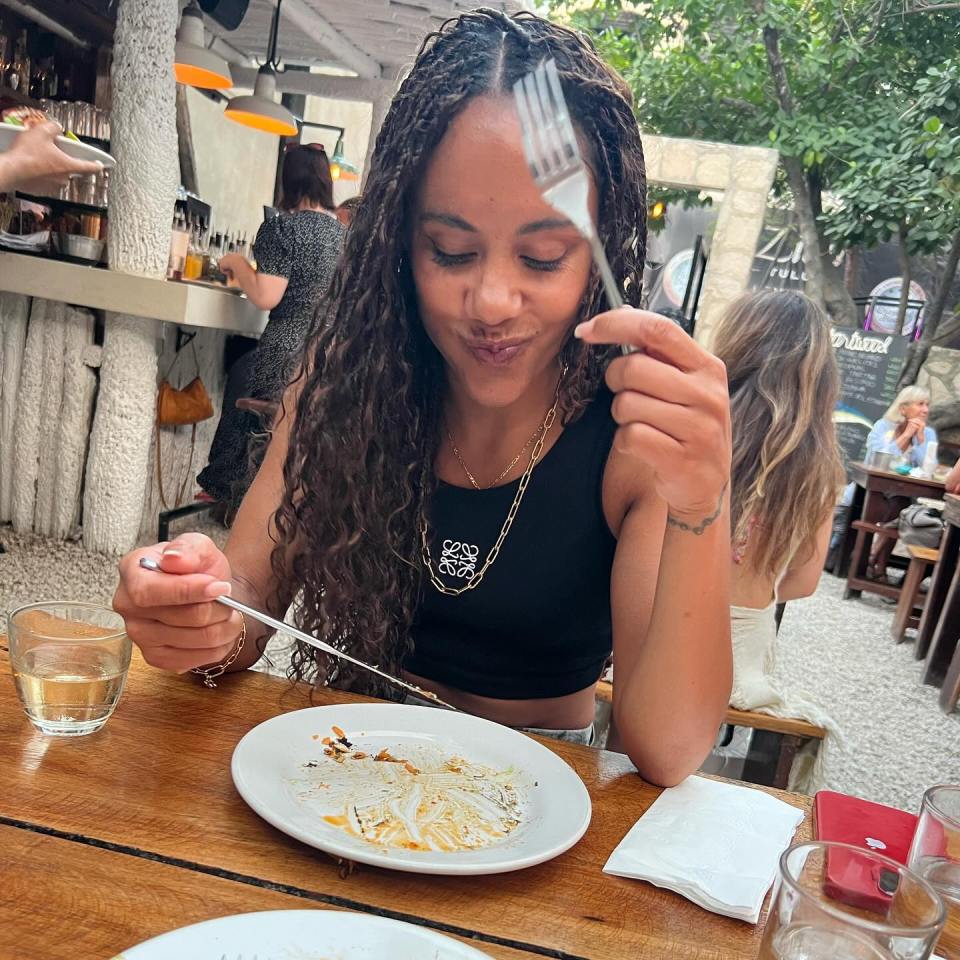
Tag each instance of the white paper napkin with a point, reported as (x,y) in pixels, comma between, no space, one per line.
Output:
(716,844)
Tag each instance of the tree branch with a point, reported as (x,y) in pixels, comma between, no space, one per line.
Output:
(735,103)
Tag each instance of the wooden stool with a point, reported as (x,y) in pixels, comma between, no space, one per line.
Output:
(950,691)
(792,733)
(921,558)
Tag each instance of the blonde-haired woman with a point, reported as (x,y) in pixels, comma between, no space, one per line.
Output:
(785,478)
(902,432)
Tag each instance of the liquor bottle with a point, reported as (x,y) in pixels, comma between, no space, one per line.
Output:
(179,239)
(6,54)
(14,72)
(24,83)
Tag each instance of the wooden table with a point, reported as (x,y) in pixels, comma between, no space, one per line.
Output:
(940,624)
(114,838)
(872,488)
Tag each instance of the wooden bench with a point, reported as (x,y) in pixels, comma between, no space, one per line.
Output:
(911,599)
(786,736)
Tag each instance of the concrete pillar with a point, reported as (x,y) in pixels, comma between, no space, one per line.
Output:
(142,195)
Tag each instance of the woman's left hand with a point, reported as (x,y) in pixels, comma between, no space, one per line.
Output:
(229,263)
(672,405)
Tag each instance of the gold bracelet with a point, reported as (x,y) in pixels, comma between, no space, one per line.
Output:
(209,674)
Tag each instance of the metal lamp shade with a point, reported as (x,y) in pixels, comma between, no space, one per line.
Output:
(193,63)
(260,111)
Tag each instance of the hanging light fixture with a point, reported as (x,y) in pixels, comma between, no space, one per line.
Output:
(261,110)
(193,63)
(340,167)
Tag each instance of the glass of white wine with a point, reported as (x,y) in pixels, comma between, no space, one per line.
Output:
(834,901)
(935,855)
(69,662)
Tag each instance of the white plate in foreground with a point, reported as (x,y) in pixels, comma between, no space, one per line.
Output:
(280,769)
(302,935)
(73,148)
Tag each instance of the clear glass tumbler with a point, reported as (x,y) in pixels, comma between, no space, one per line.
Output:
(935,855)
(834,901)
(69,661)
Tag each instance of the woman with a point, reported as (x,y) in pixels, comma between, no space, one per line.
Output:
(903,433)
(296,254)
(903,430)
(398,500)
(785,476)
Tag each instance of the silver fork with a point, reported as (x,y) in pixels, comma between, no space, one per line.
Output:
(553,155)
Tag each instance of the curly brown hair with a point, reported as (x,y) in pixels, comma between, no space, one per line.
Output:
(359,470)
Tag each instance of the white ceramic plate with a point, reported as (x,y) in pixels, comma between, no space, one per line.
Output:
(302,935)
(73,148)
(270,769)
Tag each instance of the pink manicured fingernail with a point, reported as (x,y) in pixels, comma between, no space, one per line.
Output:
(583,328)
(172,552)
(219,588)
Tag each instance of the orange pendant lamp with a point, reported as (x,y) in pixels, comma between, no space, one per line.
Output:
(193,63)
(260,110)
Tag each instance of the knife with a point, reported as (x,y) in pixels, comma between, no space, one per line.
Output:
(149,563)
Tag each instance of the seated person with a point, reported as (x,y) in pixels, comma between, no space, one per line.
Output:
(902,432)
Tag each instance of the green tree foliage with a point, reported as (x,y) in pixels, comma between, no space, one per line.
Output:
(859,96)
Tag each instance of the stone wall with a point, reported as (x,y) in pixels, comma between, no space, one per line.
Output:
(745,175)
(940,374)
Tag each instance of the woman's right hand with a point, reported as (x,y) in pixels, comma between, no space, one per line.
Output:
(171,615)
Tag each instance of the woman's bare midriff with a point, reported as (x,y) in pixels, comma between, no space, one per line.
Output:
(572,712)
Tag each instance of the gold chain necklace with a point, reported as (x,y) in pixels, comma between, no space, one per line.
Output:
(511,513)
(510,466)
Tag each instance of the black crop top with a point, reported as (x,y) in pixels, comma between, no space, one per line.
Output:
(538,625)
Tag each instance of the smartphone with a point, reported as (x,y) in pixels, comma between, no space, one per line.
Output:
(872,826)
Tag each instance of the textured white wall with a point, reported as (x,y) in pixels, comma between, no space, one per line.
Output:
(46,392)
(355,117)
(80,356)
(236,166)
(29,424)
(142,193)
(13,334)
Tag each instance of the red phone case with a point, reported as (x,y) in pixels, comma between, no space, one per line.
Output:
(869,825)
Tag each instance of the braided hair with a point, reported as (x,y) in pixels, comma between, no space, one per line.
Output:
(358,472)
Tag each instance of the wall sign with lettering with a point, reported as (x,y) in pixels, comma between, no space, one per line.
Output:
(869,367)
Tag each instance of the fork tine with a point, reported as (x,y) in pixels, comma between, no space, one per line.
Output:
(567,134)
(538,134)
(551,132)
(526,129)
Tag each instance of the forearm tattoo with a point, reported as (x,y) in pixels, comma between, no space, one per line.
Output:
(703,524)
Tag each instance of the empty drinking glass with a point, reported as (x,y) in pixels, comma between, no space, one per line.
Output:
(935,855)
(69,662)
(837,901)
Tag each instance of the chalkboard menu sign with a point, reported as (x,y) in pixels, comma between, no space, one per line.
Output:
(869,367)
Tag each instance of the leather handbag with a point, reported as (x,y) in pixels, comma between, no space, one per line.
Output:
(178,407)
